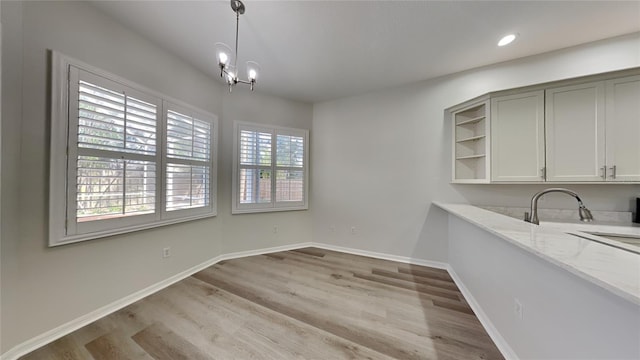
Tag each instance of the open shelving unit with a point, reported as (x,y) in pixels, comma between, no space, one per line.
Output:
(471,143)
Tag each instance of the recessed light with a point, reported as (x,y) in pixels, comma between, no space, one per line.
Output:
(507,39)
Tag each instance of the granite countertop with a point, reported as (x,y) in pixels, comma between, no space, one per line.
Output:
(613,269)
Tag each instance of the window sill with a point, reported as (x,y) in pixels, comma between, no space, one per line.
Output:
(270,209)
(124,230)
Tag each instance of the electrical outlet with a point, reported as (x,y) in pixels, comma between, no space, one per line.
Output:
(166,252)
(353,230)
(518,309)
(275,229)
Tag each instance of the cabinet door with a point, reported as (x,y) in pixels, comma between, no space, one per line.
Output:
(575,132)
(517,137)
(623,129)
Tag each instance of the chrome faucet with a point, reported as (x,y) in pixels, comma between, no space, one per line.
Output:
(532,217)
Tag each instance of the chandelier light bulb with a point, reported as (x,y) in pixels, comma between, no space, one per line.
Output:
(223,58)
(223,52)
(231,74)
(253,70)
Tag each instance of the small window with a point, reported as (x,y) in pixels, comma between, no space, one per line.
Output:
(270,168)
(124,158)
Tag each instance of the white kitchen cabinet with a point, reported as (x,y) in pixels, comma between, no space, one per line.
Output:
(471,142)
(623,129)
(582,130)
(575,132)
(517,137)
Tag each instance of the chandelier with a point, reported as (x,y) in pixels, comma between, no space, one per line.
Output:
(228,60)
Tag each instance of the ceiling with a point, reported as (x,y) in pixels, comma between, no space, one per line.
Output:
(314,51)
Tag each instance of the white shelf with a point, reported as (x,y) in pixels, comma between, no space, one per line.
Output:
(470,142)
(473,138)
(471,157)
(471,121)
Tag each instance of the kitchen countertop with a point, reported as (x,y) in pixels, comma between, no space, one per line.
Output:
(613,269)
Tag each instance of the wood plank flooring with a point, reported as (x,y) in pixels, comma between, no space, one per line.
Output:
(301,304)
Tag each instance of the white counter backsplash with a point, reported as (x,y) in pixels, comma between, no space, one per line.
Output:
(625,217)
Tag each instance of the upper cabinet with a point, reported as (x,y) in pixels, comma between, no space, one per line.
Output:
(517,137)
(575,133)
(623,129)
(584,130)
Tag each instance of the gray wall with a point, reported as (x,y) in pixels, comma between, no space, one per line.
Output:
(46,287)
(377,162)
(380,159)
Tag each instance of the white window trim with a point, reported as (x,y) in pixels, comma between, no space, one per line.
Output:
(236,207)
(58,189)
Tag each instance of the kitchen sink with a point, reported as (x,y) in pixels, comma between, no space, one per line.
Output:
(623,242)
(617,237)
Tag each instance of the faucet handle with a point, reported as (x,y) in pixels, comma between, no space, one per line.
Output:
(527,218)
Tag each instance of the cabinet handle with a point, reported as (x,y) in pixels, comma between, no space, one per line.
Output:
(603,172)
(543,172)
(613,172)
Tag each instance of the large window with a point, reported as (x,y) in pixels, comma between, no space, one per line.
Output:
(124,158)
(270,168)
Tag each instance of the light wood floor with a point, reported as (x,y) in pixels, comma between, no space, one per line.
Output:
(302,304)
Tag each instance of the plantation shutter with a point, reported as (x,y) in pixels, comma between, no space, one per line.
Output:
(270,168)
(289,169)
(189,154)
(115,153)
(255,173)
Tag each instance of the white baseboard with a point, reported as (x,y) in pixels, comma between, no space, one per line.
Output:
(494,334)
(73,325)
(383,256)
(241,254)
